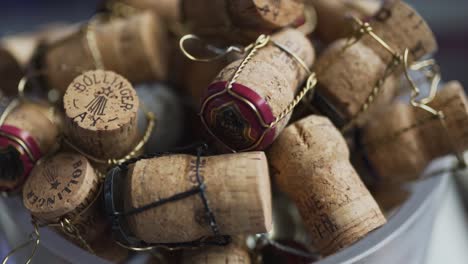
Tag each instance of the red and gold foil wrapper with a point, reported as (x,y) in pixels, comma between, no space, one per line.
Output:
(28,150)
(239,117)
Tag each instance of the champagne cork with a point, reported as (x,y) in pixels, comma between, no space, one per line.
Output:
(237,191)
(333,16)
(401,27)
(402,140)
(167,107)
(347,78)
(23,46)
(264,89)
(16,53)
(101,114)
(65,186)
(310,163)
(27,133)
(216,255)
(134,47)
(11,72)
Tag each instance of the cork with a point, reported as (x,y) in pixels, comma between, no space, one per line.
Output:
(347,78)
(101,114)
(10,71)
(401,27)
(333,16)
(66,186)
(268,82)
(310,163)
(237,191)
(24,45)
(33,124)
(134,47)
(37,119)
(17,51)
(397,156)
(212,255)
(270,14)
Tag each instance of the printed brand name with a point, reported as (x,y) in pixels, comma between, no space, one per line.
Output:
(56,193)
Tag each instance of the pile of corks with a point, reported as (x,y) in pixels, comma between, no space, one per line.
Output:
(229,131)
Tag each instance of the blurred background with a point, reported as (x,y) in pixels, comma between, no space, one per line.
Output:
(447,18)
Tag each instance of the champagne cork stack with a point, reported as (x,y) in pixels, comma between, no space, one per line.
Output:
(135,47)
(28,132)
(265,88)
(310,163)
(237,191)
(402,140)
(347,77)
(401,27)
(101,114)
(230,254)
(333,20)
(65,186)
(240,21)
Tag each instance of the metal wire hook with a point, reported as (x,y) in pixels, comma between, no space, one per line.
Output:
(34,238)
(415,89)
(219,51)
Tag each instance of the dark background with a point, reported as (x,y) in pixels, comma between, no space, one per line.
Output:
(448,19)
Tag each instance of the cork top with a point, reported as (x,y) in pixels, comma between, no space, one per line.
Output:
(59,186)
(100,101)
(400,26)
(332,16)
(265,13)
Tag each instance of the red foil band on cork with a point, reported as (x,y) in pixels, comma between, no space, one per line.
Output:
(26,146)
(243,111)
